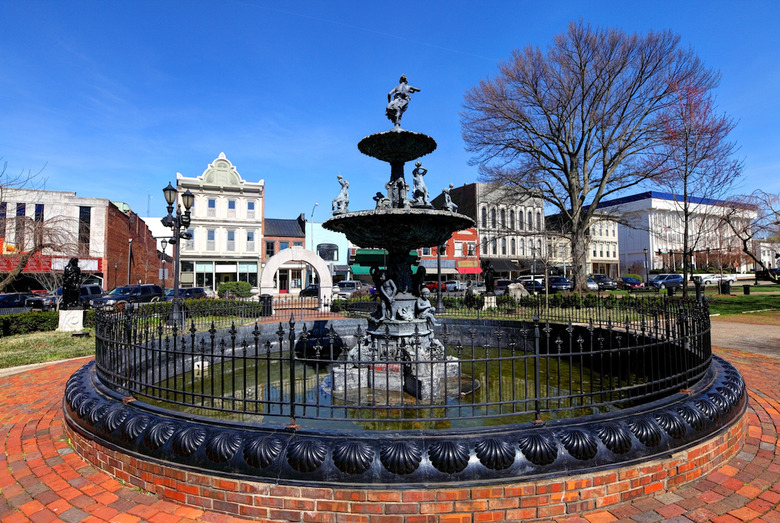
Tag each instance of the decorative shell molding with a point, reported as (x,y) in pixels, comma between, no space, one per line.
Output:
(261,452)
(580,444)
(400,457)
(615,438)
(449,456)
(352,457)
(187,441)
(306,455)
(221,447)
(495,454)
(646,431)
(539,448)
(155,437)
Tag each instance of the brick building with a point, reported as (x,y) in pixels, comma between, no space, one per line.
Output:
(95,230)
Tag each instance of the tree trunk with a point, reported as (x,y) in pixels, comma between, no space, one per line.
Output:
(579,270)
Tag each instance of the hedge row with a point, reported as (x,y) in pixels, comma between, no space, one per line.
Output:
(27,322)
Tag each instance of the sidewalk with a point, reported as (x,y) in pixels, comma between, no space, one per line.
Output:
(42,479)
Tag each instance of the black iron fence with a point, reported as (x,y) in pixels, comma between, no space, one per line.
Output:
(511,363)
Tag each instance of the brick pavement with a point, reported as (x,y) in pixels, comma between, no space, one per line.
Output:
(42,479)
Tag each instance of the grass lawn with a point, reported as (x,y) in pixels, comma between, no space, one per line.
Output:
(755,318)
(737,304)
(39,347)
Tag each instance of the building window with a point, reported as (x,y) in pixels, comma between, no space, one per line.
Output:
(471,249)
(503,246)
(270,249)
(297,244)
(530,220)
(494,246)
(520,220)
(231,239)
(539,247)
(493,218)
(601,230)
(425,251)
(212,208)
(539,221)
(614,229)
(210,240)
(328,251)
(189,244)
(484,217)
(231,209)
(250,210)
(38,223)
(484,246)
(3,216)
(594,250)
(250,241)
(503,219)
(522,246)
(512,219)
(459,252)
(512,246)
(614,251)
(284,245)
(19,236)
(85,216)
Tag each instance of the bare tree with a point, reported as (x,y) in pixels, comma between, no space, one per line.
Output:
(753,218)
(32,235)
(695,162)
(569,126)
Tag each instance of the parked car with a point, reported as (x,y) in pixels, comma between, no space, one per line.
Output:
(592,285)
(664,281)
(312,290)
(558,283)
(604,282)
(50,301)
(629,282)
(189,293)
(120,297)
(499,286)
(14,300)
(433,285)
(713,279)
(533,286)
(478,287)
(349,288)
(453,285)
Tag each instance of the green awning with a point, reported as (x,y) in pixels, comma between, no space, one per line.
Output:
(364,259)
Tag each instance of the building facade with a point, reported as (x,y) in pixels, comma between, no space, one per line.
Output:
(459,259)
(510,230)
(113,245)
(226,227)
(281,234)
(653,221)
(602,255)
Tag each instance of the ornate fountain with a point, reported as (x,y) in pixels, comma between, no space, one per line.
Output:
(398,224)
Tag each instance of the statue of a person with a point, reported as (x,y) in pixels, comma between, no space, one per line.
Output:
(448,204)
(397,100)
(423,308)
(341,201)
(488,273)
(382,203)
(420,189)
(469,299)
(71,285)
(387,290)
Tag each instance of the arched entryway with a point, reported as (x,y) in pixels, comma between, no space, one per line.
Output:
(298,254)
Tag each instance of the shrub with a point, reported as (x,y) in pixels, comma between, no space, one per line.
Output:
(505,300)
(238,289)
(637,276)
(26,322)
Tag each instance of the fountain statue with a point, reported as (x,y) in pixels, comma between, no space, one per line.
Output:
(399,224)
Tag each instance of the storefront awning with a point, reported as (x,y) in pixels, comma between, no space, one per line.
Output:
(469,270)
(503,265)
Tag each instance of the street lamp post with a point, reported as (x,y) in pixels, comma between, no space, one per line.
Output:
(129,257)
(647,269)
(439,301)
(163,245)
(178,224)
(116,268)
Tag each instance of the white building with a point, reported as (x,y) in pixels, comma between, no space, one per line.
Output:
(654,221)
(226,227)
(602,255)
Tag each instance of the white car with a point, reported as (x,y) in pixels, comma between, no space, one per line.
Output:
(713,279)
(454,285)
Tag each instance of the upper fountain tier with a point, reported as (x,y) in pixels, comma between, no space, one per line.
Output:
(397,145)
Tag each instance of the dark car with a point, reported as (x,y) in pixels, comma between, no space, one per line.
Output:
(87,293)
(604,282)
(499,286)
(189,293)
(310,290)
(533,286)
(666,281)
(130,294)
(558,283)
(317,345)
(14,300)
(629,282)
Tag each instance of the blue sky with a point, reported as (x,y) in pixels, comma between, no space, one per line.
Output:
(114,98)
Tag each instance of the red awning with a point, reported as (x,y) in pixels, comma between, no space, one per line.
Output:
(469,270)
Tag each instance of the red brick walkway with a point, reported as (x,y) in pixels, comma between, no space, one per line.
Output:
(42,479)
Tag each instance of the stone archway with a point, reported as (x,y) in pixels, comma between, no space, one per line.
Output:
(298,254)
